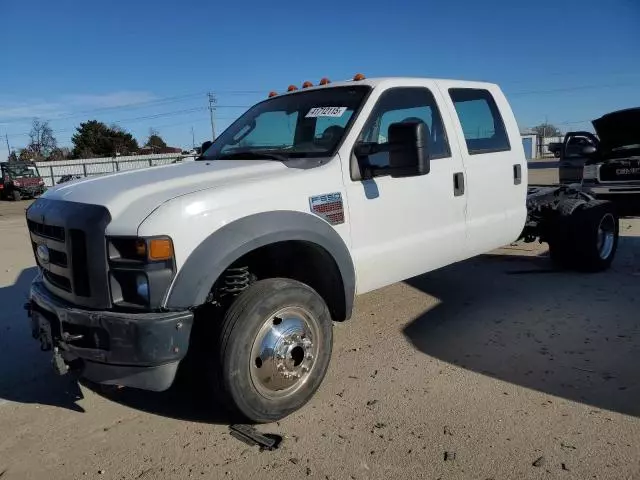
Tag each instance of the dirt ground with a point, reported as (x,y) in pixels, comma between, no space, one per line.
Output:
(494,368)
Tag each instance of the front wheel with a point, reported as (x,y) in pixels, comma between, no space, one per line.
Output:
(274,349)
(16,195)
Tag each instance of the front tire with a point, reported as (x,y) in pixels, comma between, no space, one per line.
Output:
(16,196)
(274,349)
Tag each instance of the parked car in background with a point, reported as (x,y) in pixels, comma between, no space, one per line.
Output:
(612,166)
(555,148)
(20,180)
(68,178)
(572,159)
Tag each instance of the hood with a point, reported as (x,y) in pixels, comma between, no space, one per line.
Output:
(618,129)
(27,181)
(132,195)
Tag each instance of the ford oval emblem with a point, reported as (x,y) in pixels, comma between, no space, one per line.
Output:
(43,254)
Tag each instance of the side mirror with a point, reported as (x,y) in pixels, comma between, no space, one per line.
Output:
(589,150)
(408,149)
(205,146)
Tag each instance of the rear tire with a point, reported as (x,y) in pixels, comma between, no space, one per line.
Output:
(585,235)
(273,350)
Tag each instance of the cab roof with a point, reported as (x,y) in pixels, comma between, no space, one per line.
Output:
(399,81)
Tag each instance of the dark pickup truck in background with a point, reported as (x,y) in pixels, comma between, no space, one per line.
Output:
(606,164)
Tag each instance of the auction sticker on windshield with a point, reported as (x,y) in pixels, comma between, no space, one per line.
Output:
(326,112)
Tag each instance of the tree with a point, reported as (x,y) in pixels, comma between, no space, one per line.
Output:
(155,141)
(13,157)
(95,139)
(26,155)
(546,130)
(42,142)
(59,154)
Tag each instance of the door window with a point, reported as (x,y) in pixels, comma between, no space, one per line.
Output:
(482,124)
(405,105)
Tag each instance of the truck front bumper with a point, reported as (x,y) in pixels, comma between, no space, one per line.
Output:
(141,350)
(616,188)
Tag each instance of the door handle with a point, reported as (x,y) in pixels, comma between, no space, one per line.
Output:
(517,174)
(458,184)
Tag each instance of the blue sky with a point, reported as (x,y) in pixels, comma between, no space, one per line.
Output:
(149,64)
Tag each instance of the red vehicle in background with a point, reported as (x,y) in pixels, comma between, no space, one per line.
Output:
(20,180)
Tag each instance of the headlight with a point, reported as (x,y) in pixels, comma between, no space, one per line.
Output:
(590,172)
(142,287)
(140,270)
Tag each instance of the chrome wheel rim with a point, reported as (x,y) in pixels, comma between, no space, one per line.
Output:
(606,236)
(284,352)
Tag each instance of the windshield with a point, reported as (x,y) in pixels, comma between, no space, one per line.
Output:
(20,171)
(304,124)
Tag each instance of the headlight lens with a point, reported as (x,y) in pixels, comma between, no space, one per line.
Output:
(142,287)
(590,172)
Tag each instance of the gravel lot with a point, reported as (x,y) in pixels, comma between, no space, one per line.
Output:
(495,368)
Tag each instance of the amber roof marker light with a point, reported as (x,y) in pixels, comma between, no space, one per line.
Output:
(325,81)
(292,88)
(273,94)
(358,76)
(307,84)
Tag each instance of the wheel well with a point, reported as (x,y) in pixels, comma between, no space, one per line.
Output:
(304,261)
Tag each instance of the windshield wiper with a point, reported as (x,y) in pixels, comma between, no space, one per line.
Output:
(252,155)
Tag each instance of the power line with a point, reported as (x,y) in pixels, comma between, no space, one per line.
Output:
(571,89)
(131,106)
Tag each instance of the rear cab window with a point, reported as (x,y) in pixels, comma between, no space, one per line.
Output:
(482,124)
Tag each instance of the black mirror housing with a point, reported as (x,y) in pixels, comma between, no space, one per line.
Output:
(409,149)
(589,150)
(205,146)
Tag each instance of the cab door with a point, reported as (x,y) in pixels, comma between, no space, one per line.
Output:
(402,227)
(493,156)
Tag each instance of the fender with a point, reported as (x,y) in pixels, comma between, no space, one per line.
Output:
(220,249)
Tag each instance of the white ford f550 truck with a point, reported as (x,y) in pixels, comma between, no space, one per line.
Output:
(245,257)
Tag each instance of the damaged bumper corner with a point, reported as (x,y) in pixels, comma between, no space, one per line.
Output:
(140,350)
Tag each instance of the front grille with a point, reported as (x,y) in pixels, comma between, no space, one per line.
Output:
(80,268)
(74,237)
(71,273)
(620,171)
(47,231)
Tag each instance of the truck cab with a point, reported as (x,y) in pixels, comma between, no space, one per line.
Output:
(20,180)
(242,259)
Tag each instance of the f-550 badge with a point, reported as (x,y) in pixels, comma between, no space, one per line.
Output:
(329,207)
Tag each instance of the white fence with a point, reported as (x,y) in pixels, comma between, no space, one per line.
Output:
(51,172)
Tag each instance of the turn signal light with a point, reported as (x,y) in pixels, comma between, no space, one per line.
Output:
(273,94)
(160,249)
(292,88)
(141,248)
(325,81)
(358,76)
(307,84)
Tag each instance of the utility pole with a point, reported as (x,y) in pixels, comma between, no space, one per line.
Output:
(6,137)
(193,139)
(212,109)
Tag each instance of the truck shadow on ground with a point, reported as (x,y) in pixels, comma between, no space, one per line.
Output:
(571,335)
(26,374)
(185,400)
